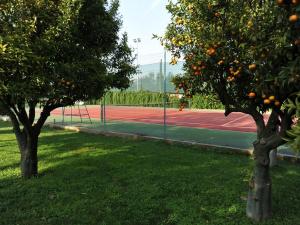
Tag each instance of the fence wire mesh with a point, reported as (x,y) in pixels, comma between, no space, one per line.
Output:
(150,107)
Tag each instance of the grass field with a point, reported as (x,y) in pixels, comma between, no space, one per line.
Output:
(87,179)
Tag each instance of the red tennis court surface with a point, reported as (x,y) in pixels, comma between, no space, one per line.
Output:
(188,118)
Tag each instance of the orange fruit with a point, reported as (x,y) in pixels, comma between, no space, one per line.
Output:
(230,79)
(237,73)
(293,18)
(197,73)
(277,103)
(221,62)
(272,98)
(267,102)
(252,67)
(249,24)
(217,14)
(211,51)
(252,95)
(280,2)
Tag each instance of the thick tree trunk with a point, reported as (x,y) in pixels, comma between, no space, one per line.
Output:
(29,159)
(259,205)
(273,158)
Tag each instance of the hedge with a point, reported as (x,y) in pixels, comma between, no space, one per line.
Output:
(155,99)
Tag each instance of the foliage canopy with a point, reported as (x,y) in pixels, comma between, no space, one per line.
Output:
(54,53)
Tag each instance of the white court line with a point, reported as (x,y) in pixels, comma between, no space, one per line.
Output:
(237,119)
(161,120)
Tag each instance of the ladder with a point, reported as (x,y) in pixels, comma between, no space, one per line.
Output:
(81,111)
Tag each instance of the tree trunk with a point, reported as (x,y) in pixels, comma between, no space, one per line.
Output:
(29,159)
(273,158)
(259,198)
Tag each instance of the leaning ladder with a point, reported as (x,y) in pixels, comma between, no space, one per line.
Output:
(82,113)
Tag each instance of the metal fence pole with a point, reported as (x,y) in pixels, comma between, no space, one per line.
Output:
(104,112)
(63,114)
(101,111)
(165,95)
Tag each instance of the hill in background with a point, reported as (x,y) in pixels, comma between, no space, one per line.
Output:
(150,78)
(155,68)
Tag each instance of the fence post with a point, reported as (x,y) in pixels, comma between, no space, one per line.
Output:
(104,110)
(63,114)
(101,111)
(165,95)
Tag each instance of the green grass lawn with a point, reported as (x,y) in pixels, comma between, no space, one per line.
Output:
(88,179)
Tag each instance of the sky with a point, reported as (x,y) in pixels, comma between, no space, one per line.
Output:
(142,19)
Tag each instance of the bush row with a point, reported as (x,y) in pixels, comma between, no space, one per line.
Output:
(155,99)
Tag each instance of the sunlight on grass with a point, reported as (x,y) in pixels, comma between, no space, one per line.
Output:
(89,179)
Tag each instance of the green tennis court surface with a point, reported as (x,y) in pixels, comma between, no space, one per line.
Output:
(233,139)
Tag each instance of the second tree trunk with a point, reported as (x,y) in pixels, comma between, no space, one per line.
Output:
(29,159)
(259,204)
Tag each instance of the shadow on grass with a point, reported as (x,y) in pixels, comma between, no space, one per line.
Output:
(6,131)
(5,128)
(4,124)
(10,166)
(89,179)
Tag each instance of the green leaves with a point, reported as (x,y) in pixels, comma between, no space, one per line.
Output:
(294,105)
(50,41)
(293,135)
(227,37)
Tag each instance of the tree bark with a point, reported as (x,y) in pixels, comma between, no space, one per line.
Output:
(273,158)
(29,159)
(259,204)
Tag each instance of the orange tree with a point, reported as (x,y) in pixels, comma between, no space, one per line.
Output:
(247,52)
(294,134)
(52,54)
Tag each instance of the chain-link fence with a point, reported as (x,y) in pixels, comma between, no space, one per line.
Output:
(150,107)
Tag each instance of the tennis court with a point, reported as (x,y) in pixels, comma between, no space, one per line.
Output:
(208,127)
(209,119)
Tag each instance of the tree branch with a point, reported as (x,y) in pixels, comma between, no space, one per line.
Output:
(32,105)
(285,124)
(23,117)
(257,117)
(20,135)
(44,116)
(41,121)
(272,125)
(13,117)
(259,121)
